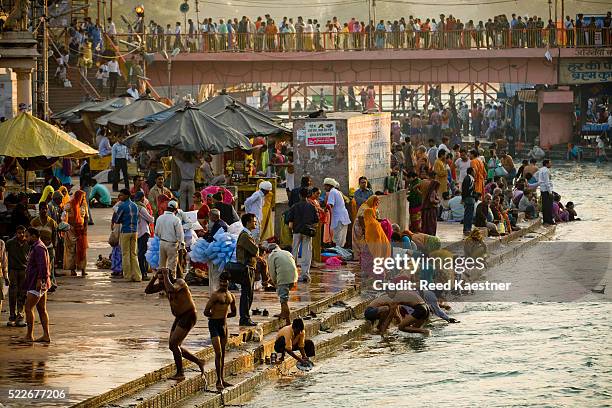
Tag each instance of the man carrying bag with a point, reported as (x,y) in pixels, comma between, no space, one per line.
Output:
(243,269)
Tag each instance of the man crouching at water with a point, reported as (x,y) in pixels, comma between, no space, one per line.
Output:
(290,337)
(184,310)
(216,310)
(385,309)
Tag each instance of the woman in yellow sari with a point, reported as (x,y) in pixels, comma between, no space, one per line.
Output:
(46,195)
(65,195)
(358,224)
(75,243)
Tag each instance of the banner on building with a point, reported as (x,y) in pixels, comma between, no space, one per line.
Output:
(320,133)
(585,71)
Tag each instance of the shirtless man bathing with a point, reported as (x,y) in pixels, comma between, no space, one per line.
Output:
(184,310)
(216,310)
(385,309)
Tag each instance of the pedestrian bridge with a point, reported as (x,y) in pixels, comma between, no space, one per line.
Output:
(550,66)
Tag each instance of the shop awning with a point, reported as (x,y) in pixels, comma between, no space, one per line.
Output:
(218,104)
(71,114)
(26,136)
(109,105)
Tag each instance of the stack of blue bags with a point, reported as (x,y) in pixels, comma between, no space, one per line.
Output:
(152,254)
(219,252)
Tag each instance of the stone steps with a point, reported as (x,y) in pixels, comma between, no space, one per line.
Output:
(244,364)
(157,377)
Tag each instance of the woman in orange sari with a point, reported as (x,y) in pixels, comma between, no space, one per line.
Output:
(480,173)
(75,243)
(377,244)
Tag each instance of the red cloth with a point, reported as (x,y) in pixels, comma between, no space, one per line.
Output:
(203,211)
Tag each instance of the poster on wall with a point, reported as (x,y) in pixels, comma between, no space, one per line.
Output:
(320,133)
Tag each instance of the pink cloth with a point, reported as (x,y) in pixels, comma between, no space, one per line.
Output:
(333,261)
(387,228)
(227,196)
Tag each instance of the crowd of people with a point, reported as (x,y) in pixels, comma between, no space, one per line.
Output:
(311,34)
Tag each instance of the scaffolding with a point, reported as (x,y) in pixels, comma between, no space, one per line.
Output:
(40,77)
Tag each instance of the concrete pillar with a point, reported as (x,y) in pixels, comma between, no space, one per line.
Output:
(24,86)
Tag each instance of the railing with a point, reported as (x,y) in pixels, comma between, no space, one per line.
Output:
(82,80)
(408,40)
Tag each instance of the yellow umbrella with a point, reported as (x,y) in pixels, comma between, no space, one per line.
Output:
(26,136)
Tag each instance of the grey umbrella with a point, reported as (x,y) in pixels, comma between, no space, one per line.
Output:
(109,105)
(190,130)
(73,113)
(248,123)
(218,104)
(131,113)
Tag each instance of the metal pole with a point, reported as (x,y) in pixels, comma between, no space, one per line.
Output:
(197,24)
(550,9)
(169,78)
(556,16)
(374,11)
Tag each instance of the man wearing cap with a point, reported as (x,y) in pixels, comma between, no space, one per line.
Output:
(254,205)
(339,214)
(170,232)
(127,215)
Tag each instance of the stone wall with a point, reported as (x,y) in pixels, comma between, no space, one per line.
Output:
(349,145)
(393,206)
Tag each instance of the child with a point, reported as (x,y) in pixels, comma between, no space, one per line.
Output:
(216,310)
(444,207)
(100,79)
(573,216)
(293,336)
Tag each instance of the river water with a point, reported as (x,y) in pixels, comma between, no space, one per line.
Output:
(540,347)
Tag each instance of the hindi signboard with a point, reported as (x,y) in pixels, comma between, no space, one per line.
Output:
(320,133)
(585,71)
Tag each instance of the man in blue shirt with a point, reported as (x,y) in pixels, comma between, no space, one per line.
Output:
(119,160)
(363,192)
(100,193)
(126,214)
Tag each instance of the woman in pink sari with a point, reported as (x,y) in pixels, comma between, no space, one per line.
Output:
(371,103)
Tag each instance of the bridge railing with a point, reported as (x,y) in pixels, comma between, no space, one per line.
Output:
(346,41)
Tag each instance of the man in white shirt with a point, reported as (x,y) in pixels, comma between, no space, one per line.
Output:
(133,92)
(170,232)
(340,217)
(111,30)
(462,164)
(113,75)
(254,205)
(546,189)
(443,145)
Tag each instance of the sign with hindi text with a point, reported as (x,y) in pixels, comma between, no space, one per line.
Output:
(585,71)
(320,133)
